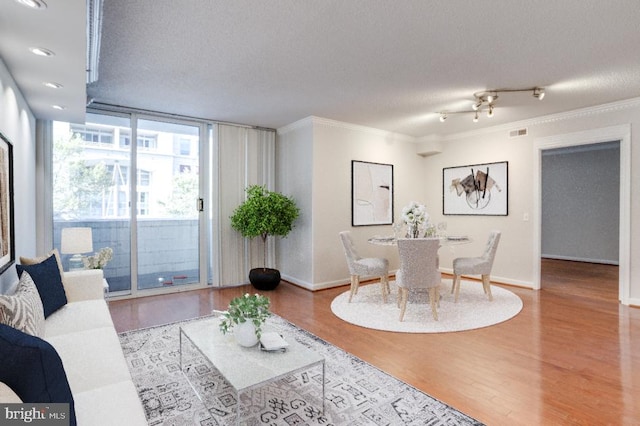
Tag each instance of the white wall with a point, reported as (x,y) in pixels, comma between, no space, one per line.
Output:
(294,177)
(318,262)
(515,261)
(18,125)
(312,255)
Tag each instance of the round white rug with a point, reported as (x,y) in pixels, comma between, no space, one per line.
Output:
(473,309)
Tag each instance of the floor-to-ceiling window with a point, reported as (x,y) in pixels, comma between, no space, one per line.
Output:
(91,189)
(96,170)
(138,181)
(167,210)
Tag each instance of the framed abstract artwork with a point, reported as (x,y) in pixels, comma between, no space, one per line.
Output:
(371,193)
(479,189)
(7,239)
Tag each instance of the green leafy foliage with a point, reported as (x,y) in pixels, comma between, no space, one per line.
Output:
(254,308)
(181,202)
(76,185)
(264,213)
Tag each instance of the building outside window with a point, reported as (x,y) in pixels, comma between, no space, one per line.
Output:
(144,178)
(92,187)
(148,142)
(144,141)
(143,203)
(185,146)
(93,135)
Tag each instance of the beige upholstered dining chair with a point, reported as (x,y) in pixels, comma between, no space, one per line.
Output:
(477,266)
(365,266)
(418,269)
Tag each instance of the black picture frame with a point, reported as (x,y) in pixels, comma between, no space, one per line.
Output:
(477,189)
(7,237)
(371,193)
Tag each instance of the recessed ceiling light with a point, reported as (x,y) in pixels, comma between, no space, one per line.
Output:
(33,4)
(59,107)
(52,85)
(41,51)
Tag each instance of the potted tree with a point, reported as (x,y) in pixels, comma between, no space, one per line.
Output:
(262,214)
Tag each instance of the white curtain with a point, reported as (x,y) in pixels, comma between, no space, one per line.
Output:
(240,157)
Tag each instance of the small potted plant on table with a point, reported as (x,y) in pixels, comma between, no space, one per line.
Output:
(246,315)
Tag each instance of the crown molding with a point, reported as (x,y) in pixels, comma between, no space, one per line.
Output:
(551,118)
(305,122)
(311,121)
(583,112)
(326,122)
(362,129)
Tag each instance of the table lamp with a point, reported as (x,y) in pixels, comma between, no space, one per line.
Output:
(75,241)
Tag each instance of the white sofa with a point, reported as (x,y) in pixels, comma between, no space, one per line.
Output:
(83,334)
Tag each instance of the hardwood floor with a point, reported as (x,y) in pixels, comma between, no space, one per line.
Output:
(571,357)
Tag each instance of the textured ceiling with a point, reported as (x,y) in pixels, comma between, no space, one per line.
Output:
(389,64)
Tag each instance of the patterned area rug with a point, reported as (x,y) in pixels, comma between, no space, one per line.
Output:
(473,309)
(356,393)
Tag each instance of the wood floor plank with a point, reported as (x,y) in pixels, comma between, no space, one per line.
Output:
(571,357)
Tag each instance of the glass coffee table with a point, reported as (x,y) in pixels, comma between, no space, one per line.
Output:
(246,368)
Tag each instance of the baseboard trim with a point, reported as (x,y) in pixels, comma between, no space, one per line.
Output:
(345,282)
(495,279)
(580,259)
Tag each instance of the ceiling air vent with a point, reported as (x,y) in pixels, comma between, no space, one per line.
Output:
(518,132)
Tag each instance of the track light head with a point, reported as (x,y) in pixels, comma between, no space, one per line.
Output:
(538,93)
(475,117)
(490,113)
(443,117)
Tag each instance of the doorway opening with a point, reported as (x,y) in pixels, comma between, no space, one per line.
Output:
(580,219)
(592,137)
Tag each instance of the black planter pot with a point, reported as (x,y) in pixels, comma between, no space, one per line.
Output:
(264,278)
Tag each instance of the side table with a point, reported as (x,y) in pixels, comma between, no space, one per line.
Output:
(105,285)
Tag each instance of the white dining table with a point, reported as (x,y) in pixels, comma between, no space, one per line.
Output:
(391,240)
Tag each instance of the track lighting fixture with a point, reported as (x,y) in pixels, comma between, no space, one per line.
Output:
(486,100)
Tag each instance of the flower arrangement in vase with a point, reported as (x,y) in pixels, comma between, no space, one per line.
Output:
(98,260)
(415,216)
(247,315)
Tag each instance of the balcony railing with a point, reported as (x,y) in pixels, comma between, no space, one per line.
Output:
(167,250)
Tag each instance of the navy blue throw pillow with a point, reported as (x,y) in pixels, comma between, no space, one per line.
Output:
(46,276)
(32,368)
